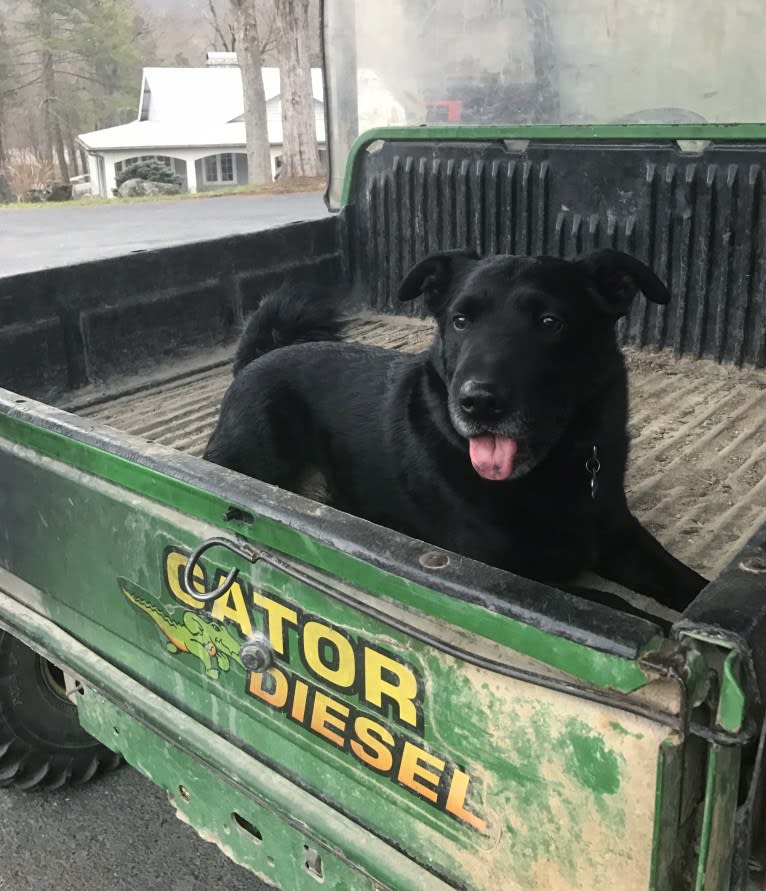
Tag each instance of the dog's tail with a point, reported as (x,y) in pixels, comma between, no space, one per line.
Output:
(295,314)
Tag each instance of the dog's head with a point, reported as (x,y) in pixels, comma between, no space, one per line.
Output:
(524,342)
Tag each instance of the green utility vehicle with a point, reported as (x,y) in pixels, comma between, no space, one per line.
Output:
(332,702)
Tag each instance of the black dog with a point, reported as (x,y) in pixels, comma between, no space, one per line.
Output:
(505,442)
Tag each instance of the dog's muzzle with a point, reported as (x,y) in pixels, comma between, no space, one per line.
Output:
(479,401)
(497,436)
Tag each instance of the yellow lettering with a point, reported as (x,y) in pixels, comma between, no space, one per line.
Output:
(277,696)
(276,617)
(412,769)
(373,744)
(455,805)
(231,605)
(300,694)
(323,718)
(401,685)
(312,638)
(174,566)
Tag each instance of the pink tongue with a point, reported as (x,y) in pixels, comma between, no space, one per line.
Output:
(492,456)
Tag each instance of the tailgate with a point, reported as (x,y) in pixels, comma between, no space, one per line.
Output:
(401,717)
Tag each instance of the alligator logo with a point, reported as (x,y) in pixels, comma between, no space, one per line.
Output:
(210,642)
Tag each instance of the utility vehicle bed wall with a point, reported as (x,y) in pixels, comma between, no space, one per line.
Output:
(698,217)
(61,329)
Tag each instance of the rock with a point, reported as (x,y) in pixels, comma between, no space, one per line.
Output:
(132,188)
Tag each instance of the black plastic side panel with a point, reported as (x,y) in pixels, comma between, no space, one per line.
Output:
(698,219)
(63,328)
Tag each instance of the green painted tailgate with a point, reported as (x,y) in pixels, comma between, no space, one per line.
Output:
(430,741)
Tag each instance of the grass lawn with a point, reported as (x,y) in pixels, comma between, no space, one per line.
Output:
(300,184)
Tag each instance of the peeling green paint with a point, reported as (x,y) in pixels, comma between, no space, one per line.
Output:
(618,728)
(554,780)
(588,760)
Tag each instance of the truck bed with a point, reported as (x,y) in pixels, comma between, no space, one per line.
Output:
(697,474)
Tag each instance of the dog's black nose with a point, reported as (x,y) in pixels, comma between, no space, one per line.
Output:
(479,399)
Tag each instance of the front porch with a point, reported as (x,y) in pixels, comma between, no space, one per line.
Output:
(199,170)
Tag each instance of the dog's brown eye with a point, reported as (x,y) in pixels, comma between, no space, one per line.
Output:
(459,323)
(551,323)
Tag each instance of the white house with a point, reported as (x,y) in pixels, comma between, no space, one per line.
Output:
(191,118)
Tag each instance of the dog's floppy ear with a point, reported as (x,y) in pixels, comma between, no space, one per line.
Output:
(433,275)
(617,278)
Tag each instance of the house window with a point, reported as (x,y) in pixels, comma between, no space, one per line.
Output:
(220,169)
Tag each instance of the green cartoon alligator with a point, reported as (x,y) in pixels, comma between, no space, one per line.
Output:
(210,642)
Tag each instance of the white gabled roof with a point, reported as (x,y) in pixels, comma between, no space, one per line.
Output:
(194,107)
(183,94)
(160,135)
(208,94)
(155,135)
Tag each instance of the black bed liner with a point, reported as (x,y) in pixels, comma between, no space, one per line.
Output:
(697,474)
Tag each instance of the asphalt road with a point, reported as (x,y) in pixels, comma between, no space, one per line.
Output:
(119,833)
(48,236)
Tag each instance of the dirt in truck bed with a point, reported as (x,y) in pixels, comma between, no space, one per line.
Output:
(697,472)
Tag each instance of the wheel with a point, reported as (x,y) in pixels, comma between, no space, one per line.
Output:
(42,745)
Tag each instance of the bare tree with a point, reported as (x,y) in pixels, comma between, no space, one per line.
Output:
(249,57)
(300,155)
(53,138)
(75,67)
(224,32)
(5,90)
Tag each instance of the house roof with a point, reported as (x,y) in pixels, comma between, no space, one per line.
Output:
(212,93)
(159,135)
(195,107)
(164,135)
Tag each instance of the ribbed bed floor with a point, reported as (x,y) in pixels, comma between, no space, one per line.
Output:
(697,475)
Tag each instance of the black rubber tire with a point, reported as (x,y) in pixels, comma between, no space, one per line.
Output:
(42,745)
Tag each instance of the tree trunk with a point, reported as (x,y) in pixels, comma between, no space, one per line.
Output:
(74,160)
(4,85)
(300,155)
(249,58)
(71,148)
(52,137)
(47,146)
(3,124)
(58,142)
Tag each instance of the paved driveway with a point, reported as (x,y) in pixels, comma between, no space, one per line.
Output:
(39,237)
(117,834)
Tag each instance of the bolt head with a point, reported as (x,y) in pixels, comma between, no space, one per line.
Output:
(256,653)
